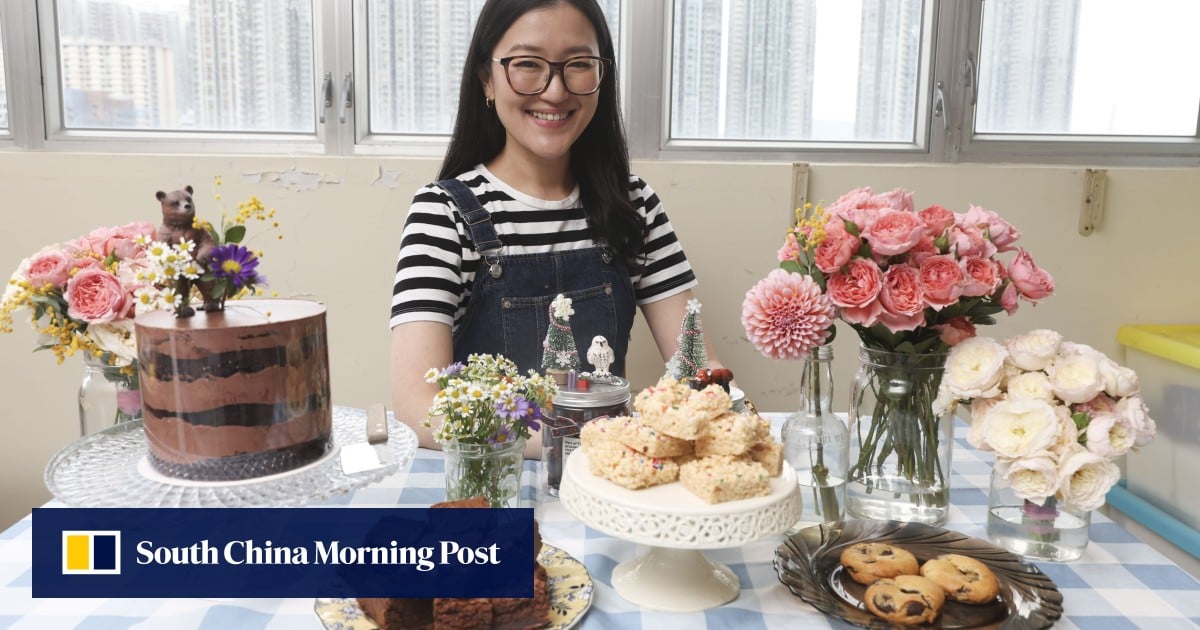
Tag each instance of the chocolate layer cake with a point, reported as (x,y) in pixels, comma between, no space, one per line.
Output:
(238,393)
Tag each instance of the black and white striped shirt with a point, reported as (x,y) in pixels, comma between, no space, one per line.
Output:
(438,261)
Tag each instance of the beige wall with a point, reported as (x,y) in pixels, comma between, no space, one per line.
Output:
(341,218)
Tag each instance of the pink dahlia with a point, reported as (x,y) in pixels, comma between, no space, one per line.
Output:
(786,315)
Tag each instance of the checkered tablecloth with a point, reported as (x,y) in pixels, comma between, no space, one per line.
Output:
(1120,582)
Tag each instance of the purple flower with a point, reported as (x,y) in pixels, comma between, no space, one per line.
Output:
(452,369)
(512,407)
(502,435)
(532,420)
(235,263)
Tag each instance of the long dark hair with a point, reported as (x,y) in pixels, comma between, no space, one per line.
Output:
(599,158)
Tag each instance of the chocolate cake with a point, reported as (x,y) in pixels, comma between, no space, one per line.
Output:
(498,613)
(238,393)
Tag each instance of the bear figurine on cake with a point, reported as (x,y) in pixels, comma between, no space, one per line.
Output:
(237,390)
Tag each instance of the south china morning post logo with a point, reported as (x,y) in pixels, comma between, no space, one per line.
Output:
(91,552)
(282,552)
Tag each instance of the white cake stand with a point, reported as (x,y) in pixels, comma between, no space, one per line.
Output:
(674,576)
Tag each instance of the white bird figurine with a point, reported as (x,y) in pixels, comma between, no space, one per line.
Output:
(600,355)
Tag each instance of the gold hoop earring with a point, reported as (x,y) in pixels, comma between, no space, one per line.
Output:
(489,102)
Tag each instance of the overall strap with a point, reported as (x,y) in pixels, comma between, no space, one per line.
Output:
(479,223)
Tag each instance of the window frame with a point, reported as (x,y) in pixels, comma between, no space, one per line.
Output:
(646,33)
(654,87)
(57,137)
(1059,148)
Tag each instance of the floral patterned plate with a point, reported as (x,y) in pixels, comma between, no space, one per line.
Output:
(808,563)
(570,596)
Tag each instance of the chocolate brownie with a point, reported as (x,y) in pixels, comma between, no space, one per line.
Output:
(398,612)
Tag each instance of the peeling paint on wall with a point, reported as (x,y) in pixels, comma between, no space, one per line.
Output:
(388,178)
(291,179)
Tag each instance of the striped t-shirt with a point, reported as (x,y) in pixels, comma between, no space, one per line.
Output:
(437,264)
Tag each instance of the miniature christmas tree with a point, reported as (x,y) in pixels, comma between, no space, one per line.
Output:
(559,354)
(690,357)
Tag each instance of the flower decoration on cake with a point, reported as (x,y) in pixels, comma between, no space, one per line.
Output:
(191,256)
(488,401)
(1056,414)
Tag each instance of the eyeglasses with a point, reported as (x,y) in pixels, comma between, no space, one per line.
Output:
(528,75)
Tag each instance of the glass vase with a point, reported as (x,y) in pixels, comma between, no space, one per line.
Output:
(816,444)
(899,448)
(108,395)
(488,470)
(1055,530)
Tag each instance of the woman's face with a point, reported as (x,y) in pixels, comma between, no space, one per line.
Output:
(542,127)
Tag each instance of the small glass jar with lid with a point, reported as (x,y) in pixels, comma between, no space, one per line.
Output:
(574,407)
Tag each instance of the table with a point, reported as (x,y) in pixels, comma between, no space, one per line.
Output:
(1119,582)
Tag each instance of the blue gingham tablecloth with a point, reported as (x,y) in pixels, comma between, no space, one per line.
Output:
(1119,582)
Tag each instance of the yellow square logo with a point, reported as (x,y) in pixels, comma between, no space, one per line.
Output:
(91,552)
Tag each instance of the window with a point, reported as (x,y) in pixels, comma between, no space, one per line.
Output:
(194,65)
(415,53)
(802,71)
(1050,81)
(1094,67)
(3,91)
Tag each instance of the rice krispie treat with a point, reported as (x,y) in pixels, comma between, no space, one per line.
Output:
(667,394)
(637,436)
(685,420)
(720,478)
(769,453)
(728,434)
(628,468)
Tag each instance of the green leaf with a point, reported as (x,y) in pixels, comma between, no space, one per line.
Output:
(235,234)
(850,226)
(1081,422)
(790,265)
(983,320)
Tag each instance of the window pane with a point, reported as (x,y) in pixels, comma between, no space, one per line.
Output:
(3,90)
(804,70)
(1106,67)
(415,52)
(207,65)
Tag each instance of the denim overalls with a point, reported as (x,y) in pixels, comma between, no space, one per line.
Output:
(511,295)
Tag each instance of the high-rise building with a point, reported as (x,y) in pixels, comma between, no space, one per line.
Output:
(253,65)
(1027,44)
(743,69)
(118,85)
(889,62)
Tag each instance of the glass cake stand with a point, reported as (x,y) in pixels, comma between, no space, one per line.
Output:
(111,469)
(674,575)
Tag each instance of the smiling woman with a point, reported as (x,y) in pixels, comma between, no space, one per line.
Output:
(535,189)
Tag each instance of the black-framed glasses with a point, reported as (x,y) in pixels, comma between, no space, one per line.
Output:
(529,74)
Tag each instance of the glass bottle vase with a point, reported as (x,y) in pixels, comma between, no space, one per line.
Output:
(108,395)
(1053,530)
(816,443)
(488,470)
(899,448)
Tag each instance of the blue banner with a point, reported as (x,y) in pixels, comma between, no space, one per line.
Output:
(282,552)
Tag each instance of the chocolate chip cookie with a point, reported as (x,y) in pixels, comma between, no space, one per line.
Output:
(906,600)
(964,579)
(868,561)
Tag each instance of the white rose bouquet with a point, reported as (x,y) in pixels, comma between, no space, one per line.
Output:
(1055,413)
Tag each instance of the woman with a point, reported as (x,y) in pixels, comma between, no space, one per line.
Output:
(534,199)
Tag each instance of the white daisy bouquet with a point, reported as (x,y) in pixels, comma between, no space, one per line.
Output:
(488,401)
(1056,414)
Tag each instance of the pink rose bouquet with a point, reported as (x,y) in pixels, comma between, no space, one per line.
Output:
(912,284)
(82,294)
(912,281)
